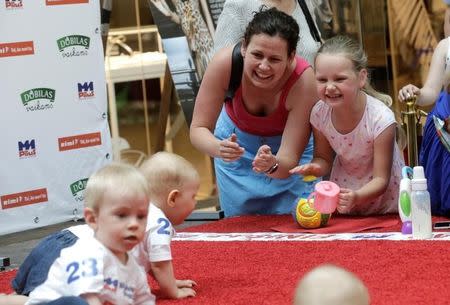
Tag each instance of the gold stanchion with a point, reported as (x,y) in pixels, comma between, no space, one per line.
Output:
(412,127)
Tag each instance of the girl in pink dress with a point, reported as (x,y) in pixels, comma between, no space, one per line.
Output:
(354,132)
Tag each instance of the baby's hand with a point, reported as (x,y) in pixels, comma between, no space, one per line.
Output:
(185,292)
(347,200)
(229,149)
(264,159)
(312,169)
(185,283)
(408,92)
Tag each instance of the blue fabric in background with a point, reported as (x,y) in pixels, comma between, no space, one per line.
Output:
(435,159)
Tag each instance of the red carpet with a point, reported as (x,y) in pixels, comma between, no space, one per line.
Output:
(396,272)
(345,224)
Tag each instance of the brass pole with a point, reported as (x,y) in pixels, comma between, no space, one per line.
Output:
(410,117)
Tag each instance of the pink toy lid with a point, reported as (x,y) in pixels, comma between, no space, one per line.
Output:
(327,188)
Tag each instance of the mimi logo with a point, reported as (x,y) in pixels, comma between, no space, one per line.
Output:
(38,99)
(86,90)
(13,4)
(74,45)
(27,149)
(77,189)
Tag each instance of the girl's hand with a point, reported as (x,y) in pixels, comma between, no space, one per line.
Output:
(407,92)
(230,150)
(313,169)
(347,200)
(264,159)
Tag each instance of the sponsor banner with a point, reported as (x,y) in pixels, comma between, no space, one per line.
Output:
(80,141)
(24,198)
(54,110)
(16,48)
(275,236)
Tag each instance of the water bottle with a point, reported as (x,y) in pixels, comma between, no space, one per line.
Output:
(420,205)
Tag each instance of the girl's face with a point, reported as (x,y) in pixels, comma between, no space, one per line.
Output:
(338,84)
(266,60)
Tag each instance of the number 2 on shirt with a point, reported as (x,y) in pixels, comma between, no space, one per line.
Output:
(164,228)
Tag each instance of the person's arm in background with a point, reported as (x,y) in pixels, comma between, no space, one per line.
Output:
(301,99)
(428,94)
(231,24)
(207,15)
(164,8)
(208,104)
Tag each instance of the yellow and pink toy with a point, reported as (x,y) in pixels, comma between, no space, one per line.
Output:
(315,211)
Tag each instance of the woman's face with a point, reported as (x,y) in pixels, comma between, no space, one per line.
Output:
(265,60)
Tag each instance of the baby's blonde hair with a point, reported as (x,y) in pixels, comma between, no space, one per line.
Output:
(331,285)
(165,172)
(118,178)
(352,50)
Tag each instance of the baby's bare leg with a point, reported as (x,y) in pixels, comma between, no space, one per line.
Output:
(12,299)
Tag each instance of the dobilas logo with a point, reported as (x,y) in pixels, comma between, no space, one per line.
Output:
(16,48)
(74,45)
(62,2)
(80,141)
(13,4)
(38,99)
(77,189)
(27,149)
(86,90)
(24,198)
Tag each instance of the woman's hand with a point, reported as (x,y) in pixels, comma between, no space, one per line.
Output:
(408,92)
(264,159)
(230,150)
(347,200)
(309,169)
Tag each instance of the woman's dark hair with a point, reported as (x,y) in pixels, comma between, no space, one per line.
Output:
(273,22)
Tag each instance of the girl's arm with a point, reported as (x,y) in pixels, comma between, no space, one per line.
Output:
(382,164)
(323,158)
(428,94)
(300,100)
(208,105)
(163,273)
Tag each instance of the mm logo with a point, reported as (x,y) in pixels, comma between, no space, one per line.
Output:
(38,99)
(27,149)
(74,45)
(77,189)
(12,4)
(85,90)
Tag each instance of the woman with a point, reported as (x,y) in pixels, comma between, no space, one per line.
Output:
(434,151)
(263,131)
(236,15)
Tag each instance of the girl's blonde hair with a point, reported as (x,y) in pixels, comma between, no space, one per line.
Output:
(165,172)
(352,50)
(123,180)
